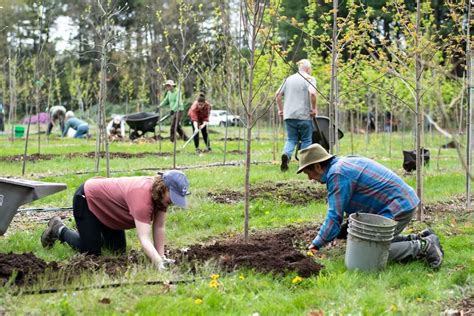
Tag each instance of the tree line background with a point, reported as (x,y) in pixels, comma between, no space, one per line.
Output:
(203,44)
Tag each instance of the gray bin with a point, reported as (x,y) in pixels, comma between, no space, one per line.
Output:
(16,192)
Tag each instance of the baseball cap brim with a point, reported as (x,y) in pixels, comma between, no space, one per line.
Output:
(178,199)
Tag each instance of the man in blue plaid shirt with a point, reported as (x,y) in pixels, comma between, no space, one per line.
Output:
(357,184)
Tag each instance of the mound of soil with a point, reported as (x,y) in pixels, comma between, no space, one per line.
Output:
(292,192)
(268,252)
(112,155)
(26,266)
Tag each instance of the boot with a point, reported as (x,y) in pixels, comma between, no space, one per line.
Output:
(432,251)
(424,233)
(51,234)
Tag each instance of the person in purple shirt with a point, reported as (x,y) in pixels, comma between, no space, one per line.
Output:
(358,184)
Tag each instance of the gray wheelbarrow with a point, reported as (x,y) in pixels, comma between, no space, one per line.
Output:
(16,192)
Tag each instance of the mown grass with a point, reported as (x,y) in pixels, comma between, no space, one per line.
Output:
(399,289)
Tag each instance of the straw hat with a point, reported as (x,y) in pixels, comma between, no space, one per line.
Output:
(170,83)
(311,155)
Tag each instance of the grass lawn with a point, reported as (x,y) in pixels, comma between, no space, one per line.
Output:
(399,289)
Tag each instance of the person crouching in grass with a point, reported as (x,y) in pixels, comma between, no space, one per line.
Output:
(104,208)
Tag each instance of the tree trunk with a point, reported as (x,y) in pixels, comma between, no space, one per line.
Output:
(332,96)
(470,114)
(419,114)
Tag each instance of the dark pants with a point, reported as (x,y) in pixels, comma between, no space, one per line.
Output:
(50,127)
(204,136)
(176,122)
(402,249)
(92,235)
(2,125)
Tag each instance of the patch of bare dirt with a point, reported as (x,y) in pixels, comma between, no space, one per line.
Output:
(231,139)
(462,308)
(455,205)
(292,192)
(275,252)
(26,267)
(112,155)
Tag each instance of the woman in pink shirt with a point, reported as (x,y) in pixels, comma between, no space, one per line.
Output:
(105,207)
(199,115)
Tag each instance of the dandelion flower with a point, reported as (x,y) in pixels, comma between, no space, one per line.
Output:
(214,284)
(214,276)
(198,301)
(297,279)
(241,277)
(310,254)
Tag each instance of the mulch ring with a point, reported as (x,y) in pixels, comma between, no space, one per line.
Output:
(275,252)
(292,192)
(112,155)
(26,267)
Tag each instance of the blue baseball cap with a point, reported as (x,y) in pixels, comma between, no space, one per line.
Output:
(178,184)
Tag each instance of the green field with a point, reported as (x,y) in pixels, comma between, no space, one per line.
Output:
(400,289)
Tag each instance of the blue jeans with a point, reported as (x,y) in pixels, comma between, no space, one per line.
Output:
(81,131)
(296,130)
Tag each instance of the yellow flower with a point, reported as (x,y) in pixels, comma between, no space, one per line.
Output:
(214,284)
(297,279)
(393,308)
(241,277)
(214,276)
(310,254)
(198,301)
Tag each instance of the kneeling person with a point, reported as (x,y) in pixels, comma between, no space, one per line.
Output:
(81,127)
(358,184)
(105,207)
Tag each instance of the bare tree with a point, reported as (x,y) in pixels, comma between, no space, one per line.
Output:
(107,35)
(255,96)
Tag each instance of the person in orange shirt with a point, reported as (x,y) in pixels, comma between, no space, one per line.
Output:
(104,208)
(199,114)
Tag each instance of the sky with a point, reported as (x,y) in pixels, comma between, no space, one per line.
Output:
(63,31)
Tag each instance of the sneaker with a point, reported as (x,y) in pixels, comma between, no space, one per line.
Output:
(51,234)
(284,162)
(433,252)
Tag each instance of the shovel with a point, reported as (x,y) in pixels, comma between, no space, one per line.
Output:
(191,138)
